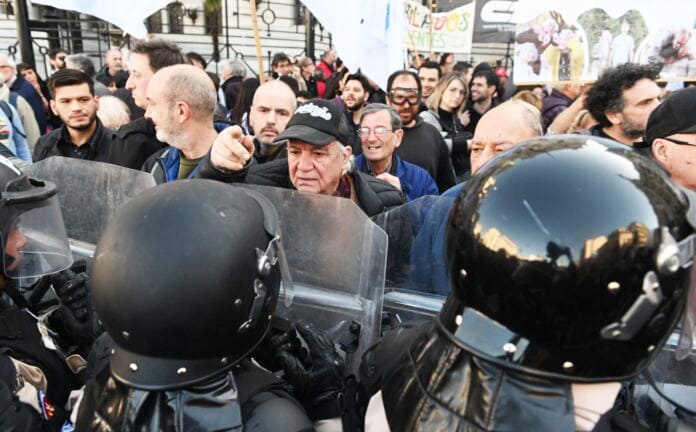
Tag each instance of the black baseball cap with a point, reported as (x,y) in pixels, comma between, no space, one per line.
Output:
(675,115)
(317,122)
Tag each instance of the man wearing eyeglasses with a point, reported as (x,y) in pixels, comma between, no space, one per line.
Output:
(318,161)
(671,132)
(381,134)
(422,144)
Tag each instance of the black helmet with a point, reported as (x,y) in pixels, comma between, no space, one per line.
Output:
(34,242)
(569,258)
(185,280)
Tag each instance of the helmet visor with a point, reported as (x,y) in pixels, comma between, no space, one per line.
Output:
(35,240)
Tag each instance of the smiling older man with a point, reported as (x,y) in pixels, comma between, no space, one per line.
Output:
(318,160)
(381,134)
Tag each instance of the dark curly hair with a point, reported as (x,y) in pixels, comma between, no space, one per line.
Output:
(606,94)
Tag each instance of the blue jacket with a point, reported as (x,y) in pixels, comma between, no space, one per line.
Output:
(415,181)
(28,92)
(428,264)
(16,140)
(164,165)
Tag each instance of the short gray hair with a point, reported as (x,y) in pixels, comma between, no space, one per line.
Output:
(113,112)
(234,66)
(83,63)
(197,90)
(530,115)
(372,108)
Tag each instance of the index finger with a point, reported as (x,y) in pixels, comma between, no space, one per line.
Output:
(248,143)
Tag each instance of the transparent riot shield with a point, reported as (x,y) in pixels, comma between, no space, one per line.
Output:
(89,193)
(337,260)
(416,281)
(666,393)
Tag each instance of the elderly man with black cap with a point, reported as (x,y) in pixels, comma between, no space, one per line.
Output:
(671,132)
(318,160)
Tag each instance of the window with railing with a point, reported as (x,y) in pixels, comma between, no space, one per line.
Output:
(154,22)
(175,15)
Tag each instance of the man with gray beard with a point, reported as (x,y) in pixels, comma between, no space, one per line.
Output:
(180,103)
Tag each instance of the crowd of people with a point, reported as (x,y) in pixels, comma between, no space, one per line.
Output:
(563,247)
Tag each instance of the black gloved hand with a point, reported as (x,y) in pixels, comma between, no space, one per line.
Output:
(74,319)
(317,378)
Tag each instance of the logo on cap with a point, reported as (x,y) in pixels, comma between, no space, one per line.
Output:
(314,111)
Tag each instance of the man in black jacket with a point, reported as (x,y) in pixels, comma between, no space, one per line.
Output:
(136,141)
(82,135)
(233,73)
(621,100)
(318,160)
(422,144)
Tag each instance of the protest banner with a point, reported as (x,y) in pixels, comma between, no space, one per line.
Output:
(452,31)
(574,42)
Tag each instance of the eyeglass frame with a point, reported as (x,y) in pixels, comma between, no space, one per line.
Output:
(379,135)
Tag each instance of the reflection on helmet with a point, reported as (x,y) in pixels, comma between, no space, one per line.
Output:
(565,256)
(31,226)
(185,280)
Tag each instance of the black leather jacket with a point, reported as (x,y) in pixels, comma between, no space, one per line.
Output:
(247,397)
(374,195)
(431,384)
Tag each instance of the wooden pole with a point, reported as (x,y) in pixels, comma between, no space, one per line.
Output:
(430,20)
(257,40)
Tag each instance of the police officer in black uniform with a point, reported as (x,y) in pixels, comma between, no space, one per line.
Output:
(185,279)
(570,266)
(41,351)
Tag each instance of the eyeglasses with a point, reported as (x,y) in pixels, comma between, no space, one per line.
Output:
(676,141)
(400,98)
(380,131)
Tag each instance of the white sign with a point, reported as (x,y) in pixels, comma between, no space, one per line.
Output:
(451,31)
(125,14)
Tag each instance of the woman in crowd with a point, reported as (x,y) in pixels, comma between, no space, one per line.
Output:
(307,68)
(446,113)
(39,84)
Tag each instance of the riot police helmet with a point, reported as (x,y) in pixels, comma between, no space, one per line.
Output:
(569,257)
(31,225)
(185,280)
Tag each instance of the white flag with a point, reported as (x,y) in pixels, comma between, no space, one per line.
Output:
(368,34)
(125,14)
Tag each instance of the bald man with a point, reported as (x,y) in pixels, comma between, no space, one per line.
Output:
(273,105)
(500,129)
(180,103)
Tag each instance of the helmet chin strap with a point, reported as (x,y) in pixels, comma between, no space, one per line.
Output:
(10,288)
